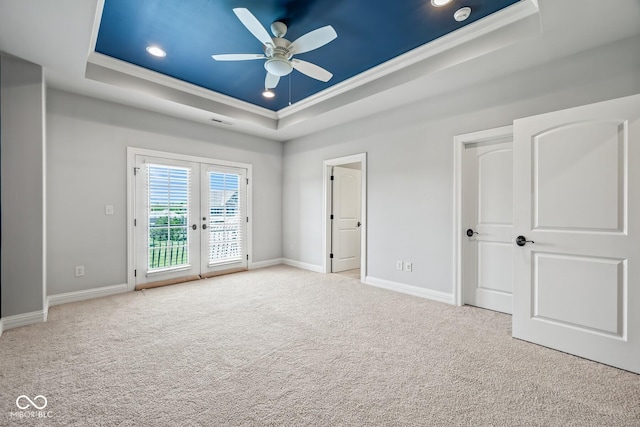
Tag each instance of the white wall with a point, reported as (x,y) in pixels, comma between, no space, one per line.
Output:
(22,112)
(86,169)
(410,160)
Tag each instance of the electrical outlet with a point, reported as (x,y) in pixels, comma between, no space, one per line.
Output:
(408,266)
(79,270)
(399,265)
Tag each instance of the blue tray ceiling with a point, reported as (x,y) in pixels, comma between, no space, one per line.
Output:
(370,32)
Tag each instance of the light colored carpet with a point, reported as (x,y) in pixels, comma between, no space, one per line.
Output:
(282,346)
(353,274)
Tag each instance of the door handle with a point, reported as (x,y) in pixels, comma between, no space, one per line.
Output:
(470,232)
(204,226)
(194,227)
(521,241)
(358,224)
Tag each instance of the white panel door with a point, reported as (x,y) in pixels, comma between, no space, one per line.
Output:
(487,247)
(576,199)
(345,237)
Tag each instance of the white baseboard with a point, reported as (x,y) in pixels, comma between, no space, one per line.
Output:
(303,265)
(1,327)
(23,319)
(411,290)
(263,264)
(104,291)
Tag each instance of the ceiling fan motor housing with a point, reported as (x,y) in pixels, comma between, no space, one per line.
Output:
(279,51)
(279,63)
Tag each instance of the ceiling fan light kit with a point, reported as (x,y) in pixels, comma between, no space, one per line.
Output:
(278,66)
(279,51)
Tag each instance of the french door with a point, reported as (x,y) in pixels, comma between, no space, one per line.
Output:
(190,220)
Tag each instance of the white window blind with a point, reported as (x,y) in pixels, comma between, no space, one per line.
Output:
(168,211)
(226,217)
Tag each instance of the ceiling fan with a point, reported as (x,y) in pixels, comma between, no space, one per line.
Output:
(279,51)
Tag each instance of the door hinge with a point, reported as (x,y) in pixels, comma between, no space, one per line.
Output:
(247,257)
(247,181)
(331,256)
(135,273)
(135,170)
(135,222)
(331,216)
(331,177)
(247,219)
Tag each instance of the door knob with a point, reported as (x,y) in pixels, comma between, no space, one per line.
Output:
(204,226)
(358,224)
(521,241)
(470,232)
(194,227)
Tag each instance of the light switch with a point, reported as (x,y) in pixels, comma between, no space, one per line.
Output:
(108,209)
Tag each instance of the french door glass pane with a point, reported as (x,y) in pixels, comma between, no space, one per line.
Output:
(225,218)
(168,190)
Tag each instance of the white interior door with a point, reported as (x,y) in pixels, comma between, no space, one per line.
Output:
(576,198)
(487,247)
(190,220)
(345,237)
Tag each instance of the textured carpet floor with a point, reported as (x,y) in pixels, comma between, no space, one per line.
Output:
(282,346)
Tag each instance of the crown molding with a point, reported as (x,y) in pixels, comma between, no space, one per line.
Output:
(489,24)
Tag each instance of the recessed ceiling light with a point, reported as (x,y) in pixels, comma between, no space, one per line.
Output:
(462,14)
(156,51)
(268,93)
(438,3)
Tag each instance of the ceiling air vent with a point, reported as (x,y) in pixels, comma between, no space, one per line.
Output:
(213,119)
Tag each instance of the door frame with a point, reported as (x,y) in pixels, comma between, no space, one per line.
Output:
(326,219)
(132,152)
(459,144)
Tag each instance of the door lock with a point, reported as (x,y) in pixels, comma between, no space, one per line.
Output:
(358,224)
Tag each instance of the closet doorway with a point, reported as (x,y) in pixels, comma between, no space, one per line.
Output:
(344,246)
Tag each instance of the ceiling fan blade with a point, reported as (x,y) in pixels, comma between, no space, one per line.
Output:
(311,70)
(238,57)
(253,25)
(271,81)
(313,39)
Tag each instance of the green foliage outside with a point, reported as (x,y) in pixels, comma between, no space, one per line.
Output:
(168,243)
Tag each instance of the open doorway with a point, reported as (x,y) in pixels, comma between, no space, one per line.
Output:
(344,245)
